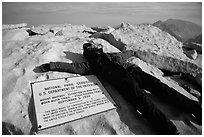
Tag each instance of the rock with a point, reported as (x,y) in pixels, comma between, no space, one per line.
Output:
(31,33)
(152,46)
(59,33)
(111,39)
(90,32)
(22,55)
(192,54)
(198,60)
(101,29)
(158,74)
(146,67)
(185,84)
(18,71)
(173,65)
(106,46)
(52,31)
(169,63)
(196,80)
(12,26)
(192,45)
(143,37)
(40,30)
(15,35)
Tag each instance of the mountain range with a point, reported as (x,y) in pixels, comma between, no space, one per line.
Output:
(180,29)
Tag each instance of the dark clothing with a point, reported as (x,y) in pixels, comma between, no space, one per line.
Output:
(164,92)
(112,68)
(130,81)
(144,80)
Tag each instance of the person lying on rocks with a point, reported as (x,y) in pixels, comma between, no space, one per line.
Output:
(130,81)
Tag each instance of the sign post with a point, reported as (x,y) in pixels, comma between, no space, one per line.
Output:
(67,99)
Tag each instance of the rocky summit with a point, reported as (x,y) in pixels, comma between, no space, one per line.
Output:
(157,53)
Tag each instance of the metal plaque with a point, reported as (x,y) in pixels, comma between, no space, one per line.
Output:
(66,99)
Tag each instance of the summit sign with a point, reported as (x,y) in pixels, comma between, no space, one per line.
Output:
(66,99)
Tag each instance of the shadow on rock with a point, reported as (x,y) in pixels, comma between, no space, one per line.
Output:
(174,112)
(31,33)
(136,123)
(37,70)
(9,129)
(32,116)
(127,114)
(75,57)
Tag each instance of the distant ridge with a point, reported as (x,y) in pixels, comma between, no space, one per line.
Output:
(197,39)
(180,29)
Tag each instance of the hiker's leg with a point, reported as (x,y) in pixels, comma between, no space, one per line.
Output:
(166,93)
(161,90)
(132,93)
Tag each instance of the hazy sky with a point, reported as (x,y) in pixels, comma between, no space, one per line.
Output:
(101,14)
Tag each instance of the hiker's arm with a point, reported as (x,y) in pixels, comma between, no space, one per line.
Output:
(77,68)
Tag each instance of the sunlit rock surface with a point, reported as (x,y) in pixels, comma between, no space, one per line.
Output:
(153,46)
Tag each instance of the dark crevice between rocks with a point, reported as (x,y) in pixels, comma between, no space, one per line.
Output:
(99,29)
(52,31)
(31,33)
(191,46)
(191,79)
(186,77)
(32,116)
(169,73)
(89,32)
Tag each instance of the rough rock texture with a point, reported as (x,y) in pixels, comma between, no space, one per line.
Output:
(173,65)
(14,34)
(185,84)
(153,46)
(40,29)
(150,69)
(22,52)
(143,37)
(59,33)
